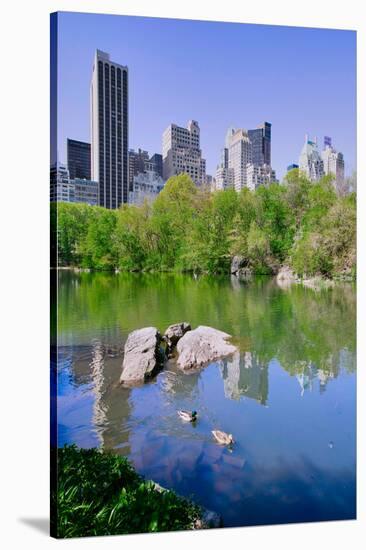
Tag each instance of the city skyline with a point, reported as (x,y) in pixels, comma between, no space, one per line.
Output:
(303,83)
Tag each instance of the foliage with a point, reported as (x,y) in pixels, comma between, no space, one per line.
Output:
(99,493)
(308,226)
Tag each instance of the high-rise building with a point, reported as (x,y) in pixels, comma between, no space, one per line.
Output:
(182,153)
(146,187)
(61,190)
(310,161)
(156,163)
(261,144)
(333,162)
(246,159)
(78,159)
(85,191)
(140,162)
(259,175)
(109,130)
(136,164)
(224,175)
(239,155)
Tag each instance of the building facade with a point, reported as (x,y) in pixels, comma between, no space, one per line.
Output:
(261,144)
(109,130)
(239,155)
(310,161)
(156,164)
(140,162)
(136,164)
(333,162)
(86,191)
(182,153)
(259,175)
(60,188)
(78,159)
(224,176)
(146,187)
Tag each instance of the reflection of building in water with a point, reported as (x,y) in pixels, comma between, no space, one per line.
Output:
(244,376)
(96,369)
(323,377)
(308,373)
(97,374)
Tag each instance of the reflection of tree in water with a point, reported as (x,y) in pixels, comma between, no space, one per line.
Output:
(245,376)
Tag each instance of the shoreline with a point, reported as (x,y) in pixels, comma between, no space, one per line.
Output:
(309,282)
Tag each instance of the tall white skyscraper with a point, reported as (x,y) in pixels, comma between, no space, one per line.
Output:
(333,162)
(109,130)
(224,175)
(245,159)
(310,161)
(182,153)
(239,155)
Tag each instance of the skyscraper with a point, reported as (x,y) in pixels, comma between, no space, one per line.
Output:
(224,175)
(85,191)
(78,159)
(261,144)
(109,130)
(259,175)
(310,161)
(61,190)
(246,159)
(136,164)
(333,162)
(182,153)
(240,154)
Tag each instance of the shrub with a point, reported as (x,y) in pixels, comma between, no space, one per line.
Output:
(99,493)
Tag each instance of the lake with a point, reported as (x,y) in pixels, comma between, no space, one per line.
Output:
(288,396)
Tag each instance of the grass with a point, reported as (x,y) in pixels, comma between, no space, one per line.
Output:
(100,493)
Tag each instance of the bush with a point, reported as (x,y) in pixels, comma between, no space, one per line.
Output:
(99,493)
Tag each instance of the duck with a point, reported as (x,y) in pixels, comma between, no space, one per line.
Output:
(188,416)
(222,437)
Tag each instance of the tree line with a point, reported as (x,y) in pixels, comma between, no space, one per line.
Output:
(305,225)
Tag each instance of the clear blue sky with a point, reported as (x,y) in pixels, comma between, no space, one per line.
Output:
(221,74)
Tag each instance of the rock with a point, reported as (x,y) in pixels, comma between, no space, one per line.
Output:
(143,356)
(285,275)
(317,283)
(236,263)
(175,333)
(202,345)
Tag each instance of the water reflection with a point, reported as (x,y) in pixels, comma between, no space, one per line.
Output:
(288,395)
(245,376)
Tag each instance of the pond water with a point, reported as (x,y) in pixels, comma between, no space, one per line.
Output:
(288,396)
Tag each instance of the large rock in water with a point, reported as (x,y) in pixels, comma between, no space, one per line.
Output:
(285,277)
(174,333)
(202,345)
(143,356)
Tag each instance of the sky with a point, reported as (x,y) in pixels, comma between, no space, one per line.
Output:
(302,80)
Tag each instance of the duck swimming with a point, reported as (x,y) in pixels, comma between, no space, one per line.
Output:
(222,437)
(188,416)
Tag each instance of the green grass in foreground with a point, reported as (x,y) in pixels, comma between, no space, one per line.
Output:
(99,493)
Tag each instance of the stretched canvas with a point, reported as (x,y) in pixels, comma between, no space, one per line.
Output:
(203,266)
